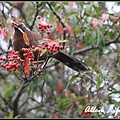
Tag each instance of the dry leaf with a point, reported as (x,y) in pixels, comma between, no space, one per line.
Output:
(25,37)
(27,67)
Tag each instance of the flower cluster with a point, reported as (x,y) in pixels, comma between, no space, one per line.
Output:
(105,17)
(43,25)
(12,63)
(28,53)
(53,46)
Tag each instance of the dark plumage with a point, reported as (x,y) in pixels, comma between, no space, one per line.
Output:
(19,43)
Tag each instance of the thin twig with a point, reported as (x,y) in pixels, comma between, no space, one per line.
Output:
(89,93)
(61,21)
(6,102)
(111,27)
(42,89)
(2,11)
(36,14)
(19,78)
(40,70)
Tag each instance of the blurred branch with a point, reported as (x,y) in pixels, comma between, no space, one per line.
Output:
(3,53)
(18,94)
(2,11)
(111,26)
(116,40)
(36,14)
(56,14)
(39,106)
(60,19)
(3,76)
(6,102)
(20,9)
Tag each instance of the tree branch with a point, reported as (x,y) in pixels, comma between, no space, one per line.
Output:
(18,94)
(116,40)
(36,14)
(6,102)
(61,21)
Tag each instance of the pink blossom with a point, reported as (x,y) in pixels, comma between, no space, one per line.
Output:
(95,22)
(105,17)
(59,2)
(4,33)
(71,4)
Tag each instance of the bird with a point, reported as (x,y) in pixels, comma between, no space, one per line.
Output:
(61,56)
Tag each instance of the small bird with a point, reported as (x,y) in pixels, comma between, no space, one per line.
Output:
(19,43)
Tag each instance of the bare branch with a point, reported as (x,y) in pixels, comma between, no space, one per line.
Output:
(6,102)
(18,94)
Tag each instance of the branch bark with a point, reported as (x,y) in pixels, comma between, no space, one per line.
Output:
(17,96)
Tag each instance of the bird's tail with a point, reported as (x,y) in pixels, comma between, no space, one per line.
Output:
(71,62)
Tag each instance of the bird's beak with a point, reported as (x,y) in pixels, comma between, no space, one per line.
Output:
(14,25)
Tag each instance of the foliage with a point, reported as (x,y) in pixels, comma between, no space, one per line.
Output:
(87,31)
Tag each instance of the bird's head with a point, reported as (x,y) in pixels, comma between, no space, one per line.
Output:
(20,26)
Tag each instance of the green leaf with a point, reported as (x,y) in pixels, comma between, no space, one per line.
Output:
(90,78)
(71,80)
(63,103)
(99,80)
(67,8)
(105,73)
(115,92)
(10,92)
(73,13)
(117,103)
(11,114)
(86,86)
(41,5)
(96,8)
(53,4)
(51,18)
(117,77)
(73,21)
(101,77)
